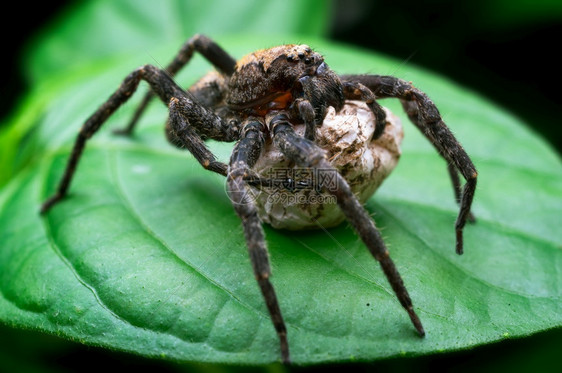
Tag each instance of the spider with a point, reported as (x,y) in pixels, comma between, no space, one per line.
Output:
(259,99)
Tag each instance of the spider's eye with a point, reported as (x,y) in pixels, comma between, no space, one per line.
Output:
(291,57)
(301,55)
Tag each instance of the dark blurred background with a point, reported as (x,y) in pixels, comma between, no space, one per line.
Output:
(505,50)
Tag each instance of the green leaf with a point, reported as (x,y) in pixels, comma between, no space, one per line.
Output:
(146,254)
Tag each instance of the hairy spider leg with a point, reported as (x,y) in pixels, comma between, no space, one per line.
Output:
(187,121)
(307,154)
(170,93)
(357,91)
(306,112)
(217,56)
(244,156)
(425,115)
(457,187)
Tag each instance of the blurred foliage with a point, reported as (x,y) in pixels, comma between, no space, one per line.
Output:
(97,29)
(510,13)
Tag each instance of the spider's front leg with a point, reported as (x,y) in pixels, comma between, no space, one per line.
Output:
(306,154)
(182,109)
(425,115)
(244,156)
(212,52)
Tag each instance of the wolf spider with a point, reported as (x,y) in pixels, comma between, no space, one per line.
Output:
(260,97)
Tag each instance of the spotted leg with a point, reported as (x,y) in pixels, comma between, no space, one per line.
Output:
(244,156)
(424,114)
(181,107)
(307,154)
(357,91)
(198,43)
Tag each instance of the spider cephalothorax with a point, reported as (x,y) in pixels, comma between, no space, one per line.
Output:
(257,102)
(263,76)
(275,79)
